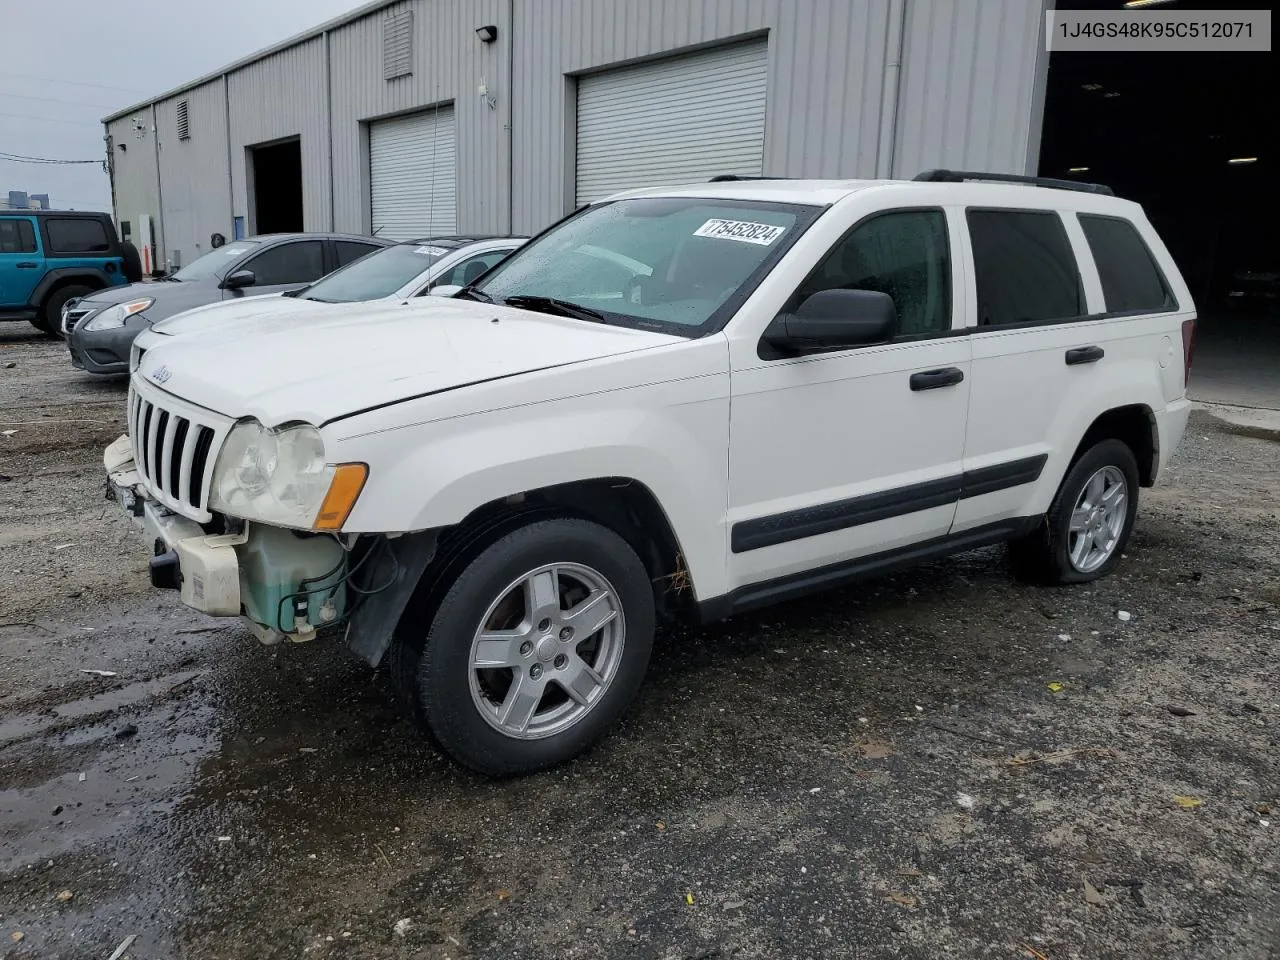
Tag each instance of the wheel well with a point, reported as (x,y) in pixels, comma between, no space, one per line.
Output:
(625,506)
(1134,426)
(88,280)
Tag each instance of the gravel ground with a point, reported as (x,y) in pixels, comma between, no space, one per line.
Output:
(940,763)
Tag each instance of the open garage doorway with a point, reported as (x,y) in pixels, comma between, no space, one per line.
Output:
(275,187)
(1189,136)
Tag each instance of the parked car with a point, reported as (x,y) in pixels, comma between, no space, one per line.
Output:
(397,272)
(686,402)
(1252,288)
(100,327)
(50,257)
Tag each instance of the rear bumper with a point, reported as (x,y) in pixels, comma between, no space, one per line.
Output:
(1171,424)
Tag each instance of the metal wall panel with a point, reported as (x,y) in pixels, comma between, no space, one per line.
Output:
(823,86)
(194,182)
(279,97)
(972,87)
(671,121)
(449,63)
(134,182)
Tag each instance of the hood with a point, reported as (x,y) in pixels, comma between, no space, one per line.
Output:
(219,315)
(325,365)
(170,296)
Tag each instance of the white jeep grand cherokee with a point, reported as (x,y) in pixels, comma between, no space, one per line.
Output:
(684,402)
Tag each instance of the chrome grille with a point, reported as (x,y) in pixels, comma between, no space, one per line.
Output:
(174,454)
(73,314)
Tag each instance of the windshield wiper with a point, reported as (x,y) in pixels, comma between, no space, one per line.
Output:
(471,293)
(565,308)
(316,299)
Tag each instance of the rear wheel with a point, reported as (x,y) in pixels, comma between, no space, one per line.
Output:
(1089,522)
(535,649)
(132,261)
(50,319)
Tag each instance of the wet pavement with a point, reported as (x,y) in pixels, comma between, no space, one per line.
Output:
(940,763)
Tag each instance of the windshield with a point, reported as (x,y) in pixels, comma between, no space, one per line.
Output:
(661,263)
(215,262)
(378,274)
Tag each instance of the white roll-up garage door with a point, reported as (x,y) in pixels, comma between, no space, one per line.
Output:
(413,176)
(672,121)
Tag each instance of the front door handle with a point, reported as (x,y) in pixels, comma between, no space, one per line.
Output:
(1084,355)
(27,265)
(933,379)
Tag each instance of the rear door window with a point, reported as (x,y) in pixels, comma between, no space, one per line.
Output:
(297,262)
(1024,267)
(17,235)
(1131,281)
(351,250)
(78,235)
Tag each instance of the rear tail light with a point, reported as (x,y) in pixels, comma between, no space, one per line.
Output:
(1188,348)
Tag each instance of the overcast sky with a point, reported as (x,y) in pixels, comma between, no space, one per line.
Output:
(69,63)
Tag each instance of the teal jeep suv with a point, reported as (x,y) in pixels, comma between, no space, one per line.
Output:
(50,257)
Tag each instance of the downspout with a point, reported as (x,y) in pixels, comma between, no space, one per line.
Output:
(506,147)
(231,179)
(328,119)
(886,146)
(111,173)
(155,141)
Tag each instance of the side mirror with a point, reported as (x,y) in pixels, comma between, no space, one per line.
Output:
(444,290)
(835,319)
(239,280)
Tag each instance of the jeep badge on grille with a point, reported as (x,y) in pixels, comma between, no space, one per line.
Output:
(161,374)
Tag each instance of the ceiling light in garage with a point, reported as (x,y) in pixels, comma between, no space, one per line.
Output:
(1243,160)
(1135,4)
(1077,169)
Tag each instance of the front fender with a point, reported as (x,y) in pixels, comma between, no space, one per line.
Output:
(89,276)
(671,437)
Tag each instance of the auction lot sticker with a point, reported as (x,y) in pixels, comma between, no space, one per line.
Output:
(742,230)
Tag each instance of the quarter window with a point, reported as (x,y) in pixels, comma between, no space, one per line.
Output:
(68,235)
(17,236)
(299,262)
(903,254)
(471,269)
(351,250)
(1131,281)
(1024,268)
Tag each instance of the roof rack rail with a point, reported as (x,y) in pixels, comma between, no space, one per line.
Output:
(960,176)
(731,177)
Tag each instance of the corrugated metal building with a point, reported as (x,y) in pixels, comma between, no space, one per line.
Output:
(376,121)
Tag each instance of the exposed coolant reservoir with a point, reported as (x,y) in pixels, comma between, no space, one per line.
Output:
(274,563)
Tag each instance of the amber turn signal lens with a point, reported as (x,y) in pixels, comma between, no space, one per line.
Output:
(348,480)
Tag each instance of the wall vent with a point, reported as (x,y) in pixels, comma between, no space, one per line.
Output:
(397,45)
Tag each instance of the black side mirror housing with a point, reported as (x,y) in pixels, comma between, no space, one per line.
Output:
(834,320)
(239,280)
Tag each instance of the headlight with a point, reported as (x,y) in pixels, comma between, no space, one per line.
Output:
(280,477)
(113,317)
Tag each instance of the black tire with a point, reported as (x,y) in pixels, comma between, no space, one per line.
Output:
(50,320)
(431,671)
(1042,556)
(132,261)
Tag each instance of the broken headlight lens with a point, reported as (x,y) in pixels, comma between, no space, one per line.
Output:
(278,477)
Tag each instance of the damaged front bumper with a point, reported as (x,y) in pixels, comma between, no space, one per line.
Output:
(285,584)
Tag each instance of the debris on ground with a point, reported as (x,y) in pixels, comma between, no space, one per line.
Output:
(127,731)
(125,944)
(1092,896)
(65,896)
(1124,615)
(402,927)
(1030,757)
(902,899)
(101,673)
(1187,803)
(1055,687)
(1179,711)
(965,802)
(17,936)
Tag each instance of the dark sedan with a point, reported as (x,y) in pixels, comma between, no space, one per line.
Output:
(100,328)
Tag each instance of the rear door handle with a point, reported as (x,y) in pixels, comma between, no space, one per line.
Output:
(1084,355)
(933,379)
(27,265)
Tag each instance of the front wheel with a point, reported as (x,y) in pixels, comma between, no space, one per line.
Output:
(1089,522)
(50,319)
(534,651)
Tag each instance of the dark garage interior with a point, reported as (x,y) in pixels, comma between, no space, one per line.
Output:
(1189,136)
(277,187)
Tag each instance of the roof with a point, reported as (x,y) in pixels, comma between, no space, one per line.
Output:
(314,235)
(462,240)
(358,13)
(56,213)
(827,192)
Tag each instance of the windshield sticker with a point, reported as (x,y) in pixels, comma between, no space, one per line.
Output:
(430,251)
(742,230)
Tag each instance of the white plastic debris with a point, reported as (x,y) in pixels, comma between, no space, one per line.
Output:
(8,433)
(1064,638)
(965,802)
(1124,615)
(402,927)
(101,673)
(224,839)
(125,944)
(83,777)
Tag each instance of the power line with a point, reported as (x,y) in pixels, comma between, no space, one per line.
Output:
(27,116)
(19,158)
(70,83)
(80,103)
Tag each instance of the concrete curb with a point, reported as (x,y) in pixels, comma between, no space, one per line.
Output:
(1264,424)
